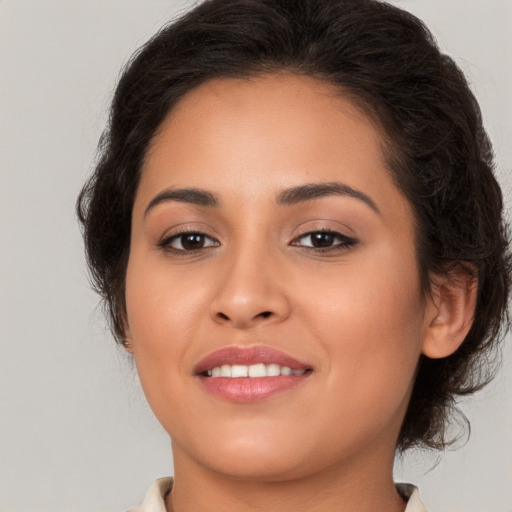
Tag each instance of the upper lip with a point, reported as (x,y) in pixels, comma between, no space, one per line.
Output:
(247,356)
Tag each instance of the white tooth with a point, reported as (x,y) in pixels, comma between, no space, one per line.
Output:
(286,370)
(238,370)
(209,373)
(298,372)
(216,371)
(257,370)
(225,370)
(273,370)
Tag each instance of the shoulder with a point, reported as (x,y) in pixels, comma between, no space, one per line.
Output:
(154,501)
(411,494)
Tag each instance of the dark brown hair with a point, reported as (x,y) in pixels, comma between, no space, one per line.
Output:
(439,153)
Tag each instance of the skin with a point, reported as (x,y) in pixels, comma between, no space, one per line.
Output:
(354,313)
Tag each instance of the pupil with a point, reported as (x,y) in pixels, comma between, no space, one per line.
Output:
(322,239)
(193,241)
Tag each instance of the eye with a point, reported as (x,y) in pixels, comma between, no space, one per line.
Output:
(189,241)
(324,240)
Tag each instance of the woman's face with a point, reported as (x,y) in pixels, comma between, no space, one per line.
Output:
(268,238)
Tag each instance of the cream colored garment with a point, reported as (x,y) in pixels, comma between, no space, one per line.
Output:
(154,500)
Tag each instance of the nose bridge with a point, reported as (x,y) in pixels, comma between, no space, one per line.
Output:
(248,290)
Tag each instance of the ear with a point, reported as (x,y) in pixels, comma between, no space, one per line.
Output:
(127,338)
(121,320)
(127,344)
(450,313)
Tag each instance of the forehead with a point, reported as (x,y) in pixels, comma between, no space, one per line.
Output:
(283,130)
(271,103)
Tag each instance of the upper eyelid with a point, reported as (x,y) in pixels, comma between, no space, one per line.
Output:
(181,229)
(323,223)
(184,230)
(189,232)
(324,227)
(329,231)
(167,238)
(322,230)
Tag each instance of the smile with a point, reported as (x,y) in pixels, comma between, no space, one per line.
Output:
(250,374)
(257,371)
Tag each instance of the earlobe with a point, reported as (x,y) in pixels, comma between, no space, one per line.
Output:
(127,339)
(127,345)
(126,334)
(449,313)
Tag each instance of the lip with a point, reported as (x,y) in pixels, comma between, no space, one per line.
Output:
(245,389)
(247,356)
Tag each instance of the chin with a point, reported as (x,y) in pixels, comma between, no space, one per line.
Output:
(270,468)
(252,457)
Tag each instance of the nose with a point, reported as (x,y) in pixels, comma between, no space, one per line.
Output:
(248,293)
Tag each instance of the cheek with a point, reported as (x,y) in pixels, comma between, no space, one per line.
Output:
(160,306)
(371,293)
(158,315)
(370,320)
(162,317)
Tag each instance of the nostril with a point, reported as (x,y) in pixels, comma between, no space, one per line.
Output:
(241,319)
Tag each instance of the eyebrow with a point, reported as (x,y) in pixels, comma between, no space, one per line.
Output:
(184,195)
(287,197)
(312,191)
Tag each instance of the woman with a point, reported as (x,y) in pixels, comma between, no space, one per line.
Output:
(298,233)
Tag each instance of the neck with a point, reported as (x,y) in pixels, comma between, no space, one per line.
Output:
(356,486)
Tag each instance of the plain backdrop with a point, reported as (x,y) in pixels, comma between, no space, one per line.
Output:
(75,433)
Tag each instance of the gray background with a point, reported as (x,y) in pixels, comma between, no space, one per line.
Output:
(75,433)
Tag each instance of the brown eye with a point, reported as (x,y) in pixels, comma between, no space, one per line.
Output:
(192,241)
(189,242)
(324,240)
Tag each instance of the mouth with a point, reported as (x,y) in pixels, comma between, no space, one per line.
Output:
(248,374)
(254,371)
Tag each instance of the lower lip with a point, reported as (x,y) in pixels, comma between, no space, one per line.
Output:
(246,389)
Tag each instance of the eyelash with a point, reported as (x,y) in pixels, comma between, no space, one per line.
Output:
(344,242)
(166,242)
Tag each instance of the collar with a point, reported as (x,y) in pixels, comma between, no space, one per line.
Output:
(154,501)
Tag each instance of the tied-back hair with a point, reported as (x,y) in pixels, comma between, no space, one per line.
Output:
(387,62)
